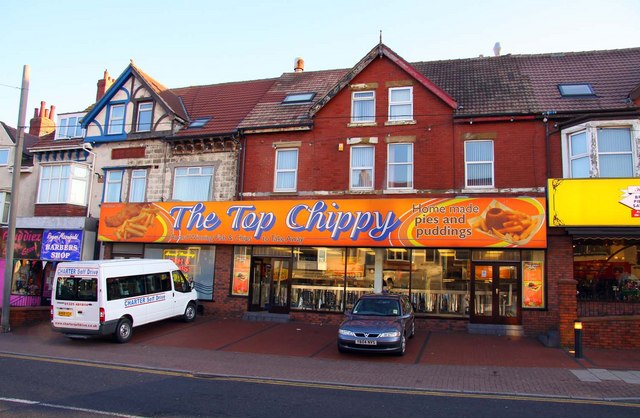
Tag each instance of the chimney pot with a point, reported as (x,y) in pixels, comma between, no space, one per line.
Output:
(496,49)
(298,65)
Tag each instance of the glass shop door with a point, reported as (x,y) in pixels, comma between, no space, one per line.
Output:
(495,293)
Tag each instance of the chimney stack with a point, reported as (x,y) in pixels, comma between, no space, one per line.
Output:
(103,85)
(42,123)
(298,65)
(496,49)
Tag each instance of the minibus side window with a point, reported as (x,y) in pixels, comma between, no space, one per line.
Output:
(165,280)
(180,283)
(114,290)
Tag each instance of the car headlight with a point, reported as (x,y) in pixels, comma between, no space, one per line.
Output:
(346,332)
(390,334)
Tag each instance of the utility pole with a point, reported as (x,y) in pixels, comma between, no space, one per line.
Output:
(15,186)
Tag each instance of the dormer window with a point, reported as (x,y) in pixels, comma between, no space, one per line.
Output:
(576,90)
(69,127)
(298,98)
(199,122)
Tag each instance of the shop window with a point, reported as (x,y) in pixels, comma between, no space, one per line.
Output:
(400,166)
(317,280)
(478,157)
(241,270)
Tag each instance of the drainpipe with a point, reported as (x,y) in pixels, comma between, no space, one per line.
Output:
(87,147)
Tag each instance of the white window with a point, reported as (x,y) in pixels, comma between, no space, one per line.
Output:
(116,119)
(600,149)
(4,156)
(193,184)
(63,184)
(286,170)
(363,107)
(138,186)
(400,166)
(145,113)
(5,205)
(362,158)
(401,103)
(69,127)
(113,186)
(478,163)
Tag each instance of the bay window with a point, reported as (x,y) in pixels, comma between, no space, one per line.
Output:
(63,183)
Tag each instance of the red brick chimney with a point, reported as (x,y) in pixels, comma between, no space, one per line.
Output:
(42,123)
(103,85)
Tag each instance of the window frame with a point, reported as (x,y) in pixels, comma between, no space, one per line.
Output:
(66,184)
(8,152)
(5,207)
(132,187)
(400,118)
(391,164)
(110,182)
(110,119)
(190,172)
(279,171)
(592,130)
(140,111)
(359,119)
(491,162)
(66,123)
(353,168)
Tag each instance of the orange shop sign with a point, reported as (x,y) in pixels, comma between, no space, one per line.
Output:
(431,222)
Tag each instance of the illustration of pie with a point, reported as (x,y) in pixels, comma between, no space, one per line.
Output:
(512,226)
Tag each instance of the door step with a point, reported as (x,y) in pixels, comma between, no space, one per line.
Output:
(266,317)
(492,329)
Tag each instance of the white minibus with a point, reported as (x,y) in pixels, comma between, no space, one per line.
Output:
(110,297)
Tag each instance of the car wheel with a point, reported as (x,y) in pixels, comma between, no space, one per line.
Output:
(403,345)
(124,331)
(413,330)
(189,313)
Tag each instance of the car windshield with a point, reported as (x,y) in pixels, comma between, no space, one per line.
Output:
(377,307)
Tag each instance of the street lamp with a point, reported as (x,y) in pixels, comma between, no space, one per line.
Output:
(577,329)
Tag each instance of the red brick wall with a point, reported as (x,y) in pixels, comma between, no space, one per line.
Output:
(60,210)
(19,316)
(224,305)
(620,332)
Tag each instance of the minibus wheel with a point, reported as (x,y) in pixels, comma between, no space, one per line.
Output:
(189,313)
(124,331)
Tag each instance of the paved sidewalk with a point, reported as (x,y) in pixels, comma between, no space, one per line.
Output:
(435,361)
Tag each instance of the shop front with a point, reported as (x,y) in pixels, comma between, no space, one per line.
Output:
(477,259)
(605,239)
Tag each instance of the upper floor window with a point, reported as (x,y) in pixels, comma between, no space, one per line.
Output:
(478,163)
(113,186)
(145,113)
(138,186)
(401,103)
(4,156)
(193,184)
(362,167)
(116,119)
(286,170)
(400,166)
(5,205)
(363,106)
(63,183)
(69,127)
(600,151)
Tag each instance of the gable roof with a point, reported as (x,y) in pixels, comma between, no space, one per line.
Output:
(226,104)
(528,84)
(164,96)
(28,141)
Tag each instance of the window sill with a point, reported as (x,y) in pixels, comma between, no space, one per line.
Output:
(399,122)
(360,124)
(399,191)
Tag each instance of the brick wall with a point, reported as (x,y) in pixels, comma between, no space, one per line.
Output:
(20,316)
(620,332)
(60,210)
(224,305)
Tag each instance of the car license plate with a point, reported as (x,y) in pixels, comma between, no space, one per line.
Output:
(64,313)
(367,342)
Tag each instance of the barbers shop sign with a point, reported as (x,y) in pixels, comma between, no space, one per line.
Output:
(61,245)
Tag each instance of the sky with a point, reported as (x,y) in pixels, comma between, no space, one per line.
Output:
(68,44)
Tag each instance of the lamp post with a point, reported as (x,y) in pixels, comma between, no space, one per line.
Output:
(577,328)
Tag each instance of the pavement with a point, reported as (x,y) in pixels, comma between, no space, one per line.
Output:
(300,352)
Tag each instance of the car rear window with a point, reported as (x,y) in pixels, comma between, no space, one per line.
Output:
(77,288)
